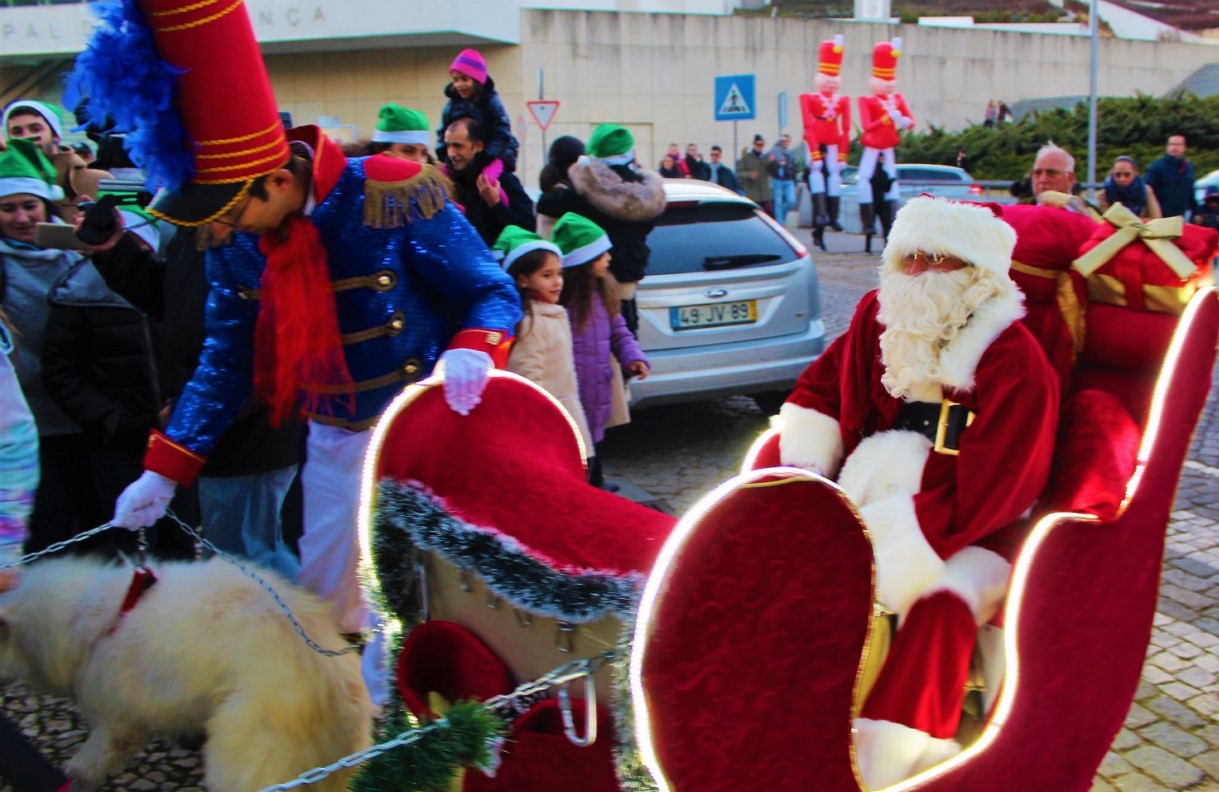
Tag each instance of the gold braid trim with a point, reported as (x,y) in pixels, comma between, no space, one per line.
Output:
(388,204)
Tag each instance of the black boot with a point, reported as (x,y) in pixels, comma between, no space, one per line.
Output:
(820,220)
(832,202)
(868,220)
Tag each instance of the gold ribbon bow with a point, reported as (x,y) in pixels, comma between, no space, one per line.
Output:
(1154,233)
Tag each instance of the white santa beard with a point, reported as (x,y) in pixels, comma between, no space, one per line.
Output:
(922,314)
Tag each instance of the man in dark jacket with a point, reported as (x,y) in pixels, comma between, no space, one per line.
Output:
(721,174)
(1171,178)
(695,167)
(609,189)
(491,205)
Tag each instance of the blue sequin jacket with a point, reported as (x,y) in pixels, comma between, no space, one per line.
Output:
(401,294)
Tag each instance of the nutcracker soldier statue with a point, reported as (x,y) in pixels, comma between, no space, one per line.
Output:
(827,133)
(882,116)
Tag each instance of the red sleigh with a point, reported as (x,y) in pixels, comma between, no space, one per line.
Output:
(753,619)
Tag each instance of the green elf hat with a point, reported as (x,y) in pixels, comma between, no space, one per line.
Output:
(580,239)
(25,169)
(612,143)
(398,124)
(514,242)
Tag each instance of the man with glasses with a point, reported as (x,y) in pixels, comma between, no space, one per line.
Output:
(721,174)
(935,412)
(1052,179)
(751,172)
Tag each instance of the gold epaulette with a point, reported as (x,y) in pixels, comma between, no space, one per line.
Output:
(388,204)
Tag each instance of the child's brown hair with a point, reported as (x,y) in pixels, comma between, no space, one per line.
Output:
(579,287)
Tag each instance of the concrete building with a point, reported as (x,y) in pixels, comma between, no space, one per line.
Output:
(648,64)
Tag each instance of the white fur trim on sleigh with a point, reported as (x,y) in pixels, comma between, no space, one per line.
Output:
(959,360)
(906,564)
(885,464)
(979,577)
(808,439)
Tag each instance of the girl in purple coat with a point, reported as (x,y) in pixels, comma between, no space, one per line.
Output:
(597,327)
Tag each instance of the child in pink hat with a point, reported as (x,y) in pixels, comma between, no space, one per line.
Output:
(472,94)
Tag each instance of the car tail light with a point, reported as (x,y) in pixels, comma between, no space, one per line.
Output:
(975,189)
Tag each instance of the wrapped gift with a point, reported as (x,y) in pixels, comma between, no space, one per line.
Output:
(1156,265)
(1047,240)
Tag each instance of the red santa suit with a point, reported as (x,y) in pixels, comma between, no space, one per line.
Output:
(882,116)
(827,121)
(944,526)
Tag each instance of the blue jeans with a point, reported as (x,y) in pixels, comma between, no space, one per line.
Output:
(783,192)
(240,515)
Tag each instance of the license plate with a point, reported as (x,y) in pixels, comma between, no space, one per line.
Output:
(686,317)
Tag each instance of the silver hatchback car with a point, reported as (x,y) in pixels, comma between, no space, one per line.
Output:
(730,304)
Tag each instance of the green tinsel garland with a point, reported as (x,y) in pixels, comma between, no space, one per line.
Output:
(429,764)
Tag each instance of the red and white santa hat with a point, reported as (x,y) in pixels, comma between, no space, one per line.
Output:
(829,57)
(884,58)
(969,231)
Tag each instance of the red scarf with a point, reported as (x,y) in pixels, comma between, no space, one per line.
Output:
(296,338)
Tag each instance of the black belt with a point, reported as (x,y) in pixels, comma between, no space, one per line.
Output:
(940,422)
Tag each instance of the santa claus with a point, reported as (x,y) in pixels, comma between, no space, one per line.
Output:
(827,133)
(936,413)
(882,116)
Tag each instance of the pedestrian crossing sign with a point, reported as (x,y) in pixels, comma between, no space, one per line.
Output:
(735,99)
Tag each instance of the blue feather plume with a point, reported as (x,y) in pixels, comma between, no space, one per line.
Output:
(121,77)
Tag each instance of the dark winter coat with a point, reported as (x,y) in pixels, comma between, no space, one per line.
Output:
(490,113)
(98,362)
(251,445)
(724,177)
(489,221)
(1172,181)
(624,203)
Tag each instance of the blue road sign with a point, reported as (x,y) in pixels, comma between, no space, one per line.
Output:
(735,98)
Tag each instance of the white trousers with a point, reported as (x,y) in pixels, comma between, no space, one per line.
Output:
(867,166)
(817,183)
(330,552)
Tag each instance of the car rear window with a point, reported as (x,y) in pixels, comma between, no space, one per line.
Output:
(713,237)
(926,174)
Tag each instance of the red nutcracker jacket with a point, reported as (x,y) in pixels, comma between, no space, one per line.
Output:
(827,122)
(879,130)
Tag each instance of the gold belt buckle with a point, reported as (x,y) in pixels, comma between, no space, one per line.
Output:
(941,428)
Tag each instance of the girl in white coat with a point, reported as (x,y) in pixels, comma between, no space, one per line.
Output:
(543,349)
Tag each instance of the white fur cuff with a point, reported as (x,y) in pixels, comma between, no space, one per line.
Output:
(906,564)
(979,577)
(884,465)
(809,439)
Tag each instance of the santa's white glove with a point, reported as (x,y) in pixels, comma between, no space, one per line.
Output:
(144,501)
(465,376)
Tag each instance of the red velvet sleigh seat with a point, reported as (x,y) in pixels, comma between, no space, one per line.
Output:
(1078,614)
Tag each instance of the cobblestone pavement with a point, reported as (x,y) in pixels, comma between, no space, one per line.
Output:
(675,455)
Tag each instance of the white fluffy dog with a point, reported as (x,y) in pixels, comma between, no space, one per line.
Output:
(203,649)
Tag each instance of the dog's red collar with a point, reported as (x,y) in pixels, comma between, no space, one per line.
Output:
(142,579)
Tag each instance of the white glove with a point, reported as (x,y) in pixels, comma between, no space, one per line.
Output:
(144,501)
(905,122)
(895,114)
(465,376)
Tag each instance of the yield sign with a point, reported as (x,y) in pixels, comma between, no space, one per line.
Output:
(543,111)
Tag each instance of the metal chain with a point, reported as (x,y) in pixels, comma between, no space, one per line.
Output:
(265,586)
(54,548)
(568,672)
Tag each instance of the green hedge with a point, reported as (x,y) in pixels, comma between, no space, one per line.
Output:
(1137,126)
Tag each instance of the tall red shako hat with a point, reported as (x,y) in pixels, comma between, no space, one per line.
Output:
(884,58)
(186,81)
(829,57)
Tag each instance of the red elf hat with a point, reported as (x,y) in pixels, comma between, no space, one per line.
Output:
(211,127)
(829,57)
(884,59)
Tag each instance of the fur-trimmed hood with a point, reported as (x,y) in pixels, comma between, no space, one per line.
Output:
(606,190)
